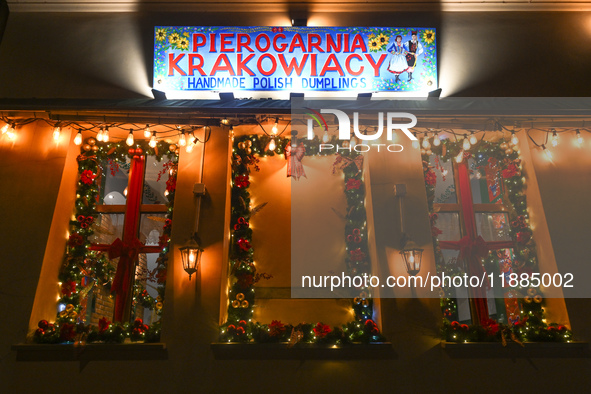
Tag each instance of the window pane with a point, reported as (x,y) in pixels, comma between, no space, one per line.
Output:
(113,182)
(485,182)
(493,226)
(151,228)
(107,227)
(446,226)
(155,181)
(145,301)
(445,190)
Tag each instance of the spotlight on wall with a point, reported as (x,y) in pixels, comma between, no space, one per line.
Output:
(434,94)
(158,95)
(299,22)
(227,96)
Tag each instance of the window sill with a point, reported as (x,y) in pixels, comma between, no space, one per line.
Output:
(514,350)
(91,352)
(301,351)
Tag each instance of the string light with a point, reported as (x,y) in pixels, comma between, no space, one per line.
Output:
(106,134)
(466,144)
(129,141)
(272,144)
(426,143)
(153,141)
(547,152)
(182,139)
(514,139)
(147,132)
(554,138)
(436,140)
(473,139)
(78,138)
(579,137)
(56,134)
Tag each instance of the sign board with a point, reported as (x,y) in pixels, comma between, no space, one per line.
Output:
(371,59)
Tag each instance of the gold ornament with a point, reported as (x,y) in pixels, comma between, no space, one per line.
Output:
(235,304)
(91,141)
(240,296)
(86,147)
(244,304)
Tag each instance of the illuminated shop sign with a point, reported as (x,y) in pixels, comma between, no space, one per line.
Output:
(295,58)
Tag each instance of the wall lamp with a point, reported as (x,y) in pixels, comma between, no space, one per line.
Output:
(412,255)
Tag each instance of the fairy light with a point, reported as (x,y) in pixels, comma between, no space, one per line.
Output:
(153,141)
(460,157)
(272,144)
(547,152)
(57,133)
(436,140)
(426,143)
(106,134)
(554,138)
(78,138)
(147,132)
(473,139)
(129,140)
(579,137)
(466,144)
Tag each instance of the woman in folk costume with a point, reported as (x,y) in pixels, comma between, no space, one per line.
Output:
(398,63)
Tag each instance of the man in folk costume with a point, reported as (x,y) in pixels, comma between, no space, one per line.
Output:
(413,50)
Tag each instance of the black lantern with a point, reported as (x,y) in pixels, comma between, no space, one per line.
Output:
(412,256)
(191,256)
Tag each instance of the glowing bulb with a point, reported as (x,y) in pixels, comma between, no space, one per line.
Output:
(182,139)
(460,157)
(466,144)
(56,134)
(129,140)
(99,135)
(579,137)
(426,143)
(153,141)
(436,141)
(325,137)
(147,132)
(554,139)
(547,152)
(106,135)
(473,139)
(78,138)
(272,144)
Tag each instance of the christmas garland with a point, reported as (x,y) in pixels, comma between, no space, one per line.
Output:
(503,159)
(84,269)
(243,274)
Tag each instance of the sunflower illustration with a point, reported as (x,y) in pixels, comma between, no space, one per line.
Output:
(160,34)
(174,38)
(183,43)
(428,36)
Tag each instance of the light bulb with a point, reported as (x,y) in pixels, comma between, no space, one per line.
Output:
(153,141)
(514,139)
(473,139)
(436,141)
(99,135)
(466,144)
(129,140)
(272,144)
(106,135)
(78,138)
(147,132)
(554,139)
(460,157)
(56,134)
(426,143)
(579,137)
(325,137)
(547,152)
(182,139)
